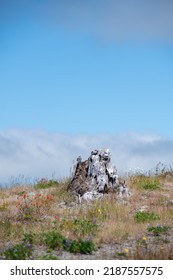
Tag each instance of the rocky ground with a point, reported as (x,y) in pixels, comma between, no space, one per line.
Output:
(118,235)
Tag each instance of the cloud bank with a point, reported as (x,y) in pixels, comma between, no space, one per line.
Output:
(39,153)
(115,19)
(111,19)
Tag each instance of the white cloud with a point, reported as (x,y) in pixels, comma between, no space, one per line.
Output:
(39,153)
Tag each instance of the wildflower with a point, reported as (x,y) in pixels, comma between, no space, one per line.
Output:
(144,238)
(67,243)
(24,196)
(99,210)
(94,221)
(126,250)
(56,217)
(28,245)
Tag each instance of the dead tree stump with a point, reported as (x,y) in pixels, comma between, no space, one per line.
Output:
(96,176)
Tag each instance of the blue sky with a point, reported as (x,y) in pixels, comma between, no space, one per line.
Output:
(97,69)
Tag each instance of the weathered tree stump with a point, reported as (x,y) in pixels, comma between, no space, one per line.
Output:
(96,176)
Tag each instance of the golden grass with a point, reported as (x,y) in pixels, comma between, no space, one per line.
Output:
(115,219)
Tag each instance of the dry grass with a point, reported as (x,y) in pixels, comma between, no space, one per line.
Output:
(27,209)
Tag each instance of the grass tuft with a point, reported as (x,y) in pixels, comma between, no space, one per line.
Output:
(142,217)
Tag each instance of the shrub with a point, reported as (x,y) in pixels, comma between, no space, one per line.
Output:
(18,252)
(53,239)
(84,227)
(157,230)
(141,217)
(79,246)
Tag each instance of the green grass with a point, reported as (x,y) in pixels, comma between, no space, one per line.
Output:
(45,183)
(146,182)
(142,217)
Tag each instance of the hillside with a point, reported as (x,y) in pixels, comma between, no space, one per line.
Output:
(45,221)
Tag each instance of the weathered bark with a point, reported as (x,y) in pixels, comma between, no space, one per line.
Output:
(96,176)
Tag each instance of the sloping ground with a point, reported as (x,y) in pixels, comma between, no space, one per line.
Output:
(46,222)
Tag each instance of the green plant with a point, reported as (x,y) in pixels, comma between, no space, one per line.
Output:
(157,230)
(142,242)
(121,254)
(84,227)
(142,217)
(146,182)
(21,193)
(18,252)
(28,237)
(45,183)
(79,246)
(150,183)
(53,239)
